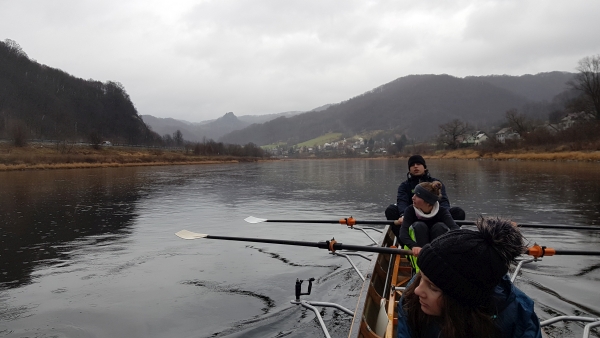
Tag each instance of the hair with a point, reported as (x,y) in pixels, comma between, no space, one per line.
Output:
(434,187)
(459,317)
(456,320)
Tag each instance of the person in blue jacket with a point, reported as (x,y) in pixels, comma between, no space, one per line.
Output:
(417,173)
(463,289)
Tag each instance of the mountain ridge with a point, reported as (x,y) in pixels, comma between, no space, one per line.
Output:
(414,105)
(49,103)
(210,129)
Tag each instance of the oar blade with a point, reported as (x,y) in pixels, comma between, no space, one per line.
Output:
(185,234)
(253,220)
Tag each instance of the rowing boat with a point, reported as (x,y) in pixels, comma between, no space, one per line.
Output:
(375,314)
(376,306)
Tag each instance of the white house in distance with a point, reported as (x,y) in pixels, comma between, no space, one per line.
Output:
(572,118)
(507,134)
(475,139)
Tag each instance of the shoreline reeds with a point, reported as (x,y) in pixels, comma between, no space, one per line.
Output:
(34,157)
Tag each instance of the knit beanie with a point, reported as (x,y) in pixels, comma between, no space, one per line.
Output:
(467,265)
(416,159)
(426,195)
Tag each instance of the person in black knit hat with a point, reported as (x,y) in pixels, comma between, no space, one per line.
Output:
(463,289)
(424,220)
(417,173)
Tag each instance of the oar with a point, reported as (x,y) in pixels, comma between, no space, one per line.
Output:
(538,251)
(350,221)
(541,226)
(331,245)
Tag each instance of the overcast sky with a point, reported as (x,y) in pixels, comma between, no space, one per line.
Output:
(197,60)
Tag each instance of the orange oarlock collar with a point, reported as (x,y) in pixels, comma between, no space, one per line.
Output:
(350,221)
(540,251)
(331,244)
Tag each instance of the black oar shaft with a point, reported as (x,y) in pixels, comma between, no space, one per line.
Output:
(375,222)
(300,221)
(542,226)
(577,253)
(342,221)
(321,245)
(352,221)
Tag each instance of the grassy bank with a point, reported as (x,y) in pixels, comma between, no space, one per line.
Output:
(48,156)
(518,154)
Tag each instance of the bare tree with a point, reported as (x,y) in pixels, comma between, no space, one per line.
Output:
(588,81)
(519,122)
(167,140)
(95,140)
(19,134)
(451,132)
(178,138)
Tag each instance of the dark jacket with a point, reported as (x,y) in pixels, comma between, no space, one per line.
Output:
(407,188)
(410,217)
(515,318)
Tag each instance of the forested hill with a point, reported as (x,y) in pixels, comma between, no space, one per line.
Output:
(414,105)
(48,103)
(538,87)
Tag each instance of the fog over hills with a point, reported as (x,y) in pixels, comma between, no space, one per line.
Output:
(211,129)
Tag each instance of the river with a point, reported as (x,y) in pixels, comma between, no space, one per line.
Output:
(92,253)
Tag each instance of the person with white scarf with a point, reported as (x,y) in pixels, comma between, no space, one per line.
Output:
(427,219)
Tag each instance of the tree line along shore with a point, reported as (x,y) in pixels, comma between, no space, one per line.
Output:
(43,157)
(49,156)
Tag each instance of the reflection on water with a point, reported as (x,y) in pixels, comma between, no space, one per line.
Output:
(43,213)
(96,247)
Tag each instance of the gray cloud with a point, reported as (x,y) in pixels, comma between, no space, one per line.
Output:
(197,60)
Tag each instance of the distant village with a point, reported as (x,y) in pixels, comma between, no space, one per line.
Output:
(361,146)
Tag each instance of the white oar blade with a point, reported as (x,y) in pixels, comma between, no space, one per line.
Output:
(185,234)
(253,219)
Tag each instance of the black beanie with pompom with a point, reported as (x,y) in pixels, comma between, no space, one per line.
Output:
(466,264)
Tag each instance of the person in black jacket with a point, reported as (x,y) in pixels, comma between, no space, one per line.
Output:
(426,217)
(417,173)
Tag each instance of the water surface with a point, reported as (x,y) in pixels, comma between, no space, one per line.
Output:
(92,253)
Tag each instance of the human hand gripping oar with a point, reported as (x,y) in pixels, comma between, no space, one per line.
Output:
(350,221)
(330,245)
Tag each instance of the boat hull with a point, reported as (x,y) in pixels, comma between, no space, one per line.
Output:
(375,314)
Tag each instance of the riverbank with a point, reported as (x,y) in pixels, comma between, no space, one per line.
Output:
(42,157)
(518,154)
